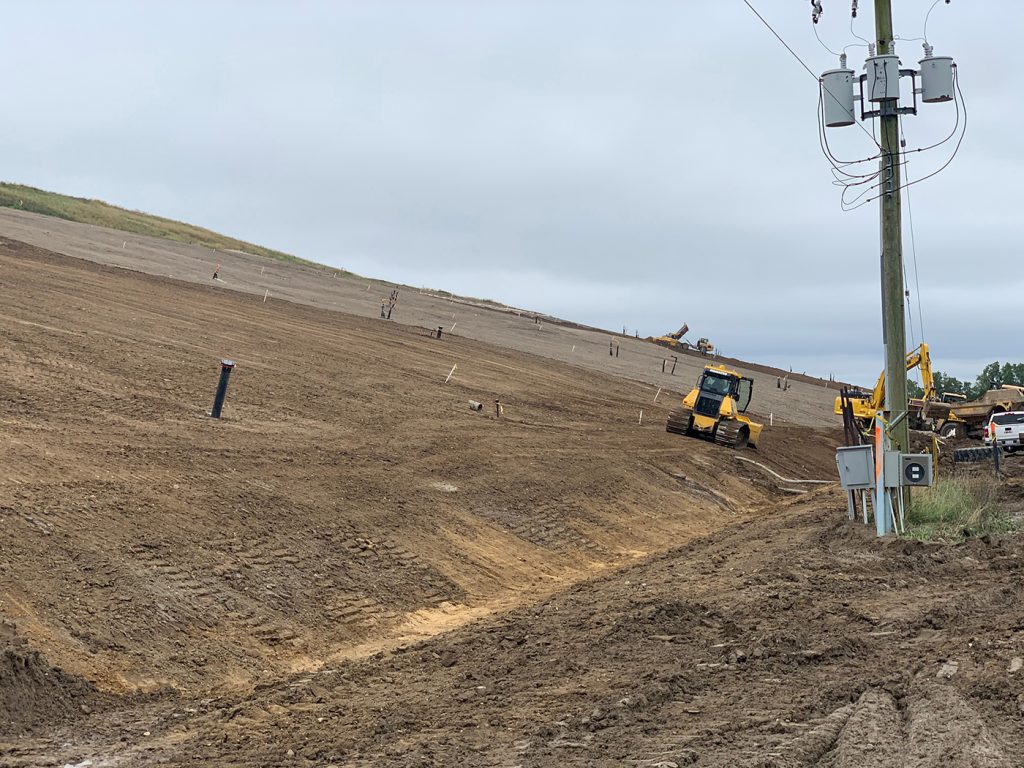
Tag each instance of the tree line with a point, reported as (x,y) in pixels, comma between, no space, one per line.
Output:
(992,376)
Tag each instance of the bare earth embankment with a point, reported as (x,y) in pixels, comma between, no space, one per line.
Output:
(354,568)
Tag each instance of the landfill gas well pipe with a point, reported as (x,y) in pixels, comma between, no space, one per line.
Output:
(226,366)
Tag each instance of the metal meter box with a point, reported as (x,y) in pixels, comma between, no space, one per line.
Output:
(856,464)
(916,469)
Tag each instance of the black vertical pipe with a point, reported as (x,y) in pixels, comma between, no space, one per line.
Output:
(226,366)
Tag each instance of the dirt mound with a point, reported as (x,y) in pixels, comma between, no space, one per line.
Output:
(33,694)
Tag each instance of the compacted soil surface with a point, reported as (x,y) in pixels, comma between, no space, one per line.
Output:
(792,640)
(354,566)
(807,401)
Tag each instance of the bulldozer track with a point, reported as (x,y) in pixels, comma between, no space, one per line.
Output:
(730,434)
(679,420)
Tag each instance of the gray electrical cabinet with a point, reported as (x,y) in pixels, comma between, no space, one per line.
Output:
(856,464)
(892,470)
(916,469)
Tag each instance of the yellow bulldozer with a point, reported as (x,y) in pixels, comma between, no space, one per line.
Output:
(714,409)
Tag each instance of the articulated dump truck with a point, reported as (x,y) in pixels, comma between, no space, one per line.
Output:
(967,418)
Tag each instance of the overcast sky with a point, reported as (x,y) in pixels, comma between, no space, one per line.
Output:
(633,164)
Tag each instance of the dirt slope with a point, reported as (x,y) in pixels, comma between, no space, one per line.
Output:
(791,640)
(353,568)
(350,498)
(34,693)
(805,403)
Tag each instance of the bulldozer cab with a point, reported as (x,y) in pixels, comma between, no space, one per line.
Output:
(716,383)
(720,383)
(744,391)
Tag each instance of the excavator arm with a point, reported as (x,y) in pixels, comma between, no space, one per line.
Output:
(924,360)
(917,357)
(920,357)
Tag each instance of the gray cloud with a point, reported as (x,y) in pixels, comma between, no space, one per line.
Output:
(616,163)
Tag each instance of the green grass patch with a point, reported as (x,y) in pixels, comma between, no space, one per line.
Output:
(103,214)
(957,507)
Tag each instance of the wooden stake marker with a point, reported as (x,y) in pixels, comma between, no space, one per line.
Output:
(450,373)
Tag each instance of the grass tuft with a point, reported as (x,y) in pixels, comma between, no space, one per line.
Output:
(958,507)
(103,214)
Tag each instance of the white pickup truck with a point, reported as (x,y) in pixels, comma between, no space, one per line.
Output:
(1007,429)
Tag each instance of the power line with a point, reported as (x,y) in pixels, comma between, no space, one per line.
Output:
(839,166)
(823,42)
(927,16)
(779,38)
(956,149)
(913,251)
(802,64)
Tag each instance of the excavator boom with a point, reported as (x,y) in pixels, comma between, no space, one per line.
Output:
(866,408)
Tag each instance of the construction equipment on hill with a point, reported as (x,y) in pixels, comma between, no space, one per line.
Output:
(865,405)
(672,340)
(948,413)
(715,408)
(676,340)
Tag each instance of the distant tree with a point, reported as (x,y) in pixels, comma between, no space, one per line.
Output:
(1013,374)
(992,376)
(914,389)
(944,383)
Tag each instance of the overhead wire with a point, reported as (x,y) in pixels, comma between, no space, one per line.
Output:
(872,181)
(867,43)
(913,251)
(834,53)
(926,17)
(956,149)
(794,54)
(837,164)
(779,38)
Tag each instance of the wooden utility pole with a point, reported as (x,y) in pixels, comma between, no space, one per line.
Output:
(893,330)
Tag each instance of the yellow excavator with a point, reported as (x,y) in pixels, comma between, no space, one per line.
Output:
(867,405)
(715,408)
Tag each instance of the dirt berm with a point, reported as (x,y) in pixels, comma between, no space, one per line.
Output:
(32,693)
